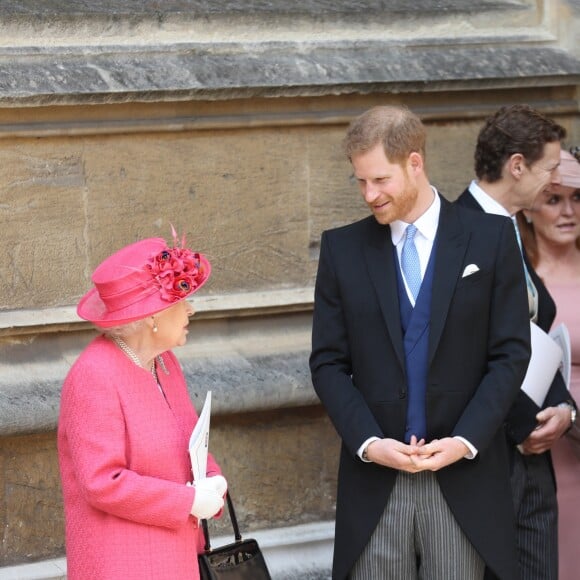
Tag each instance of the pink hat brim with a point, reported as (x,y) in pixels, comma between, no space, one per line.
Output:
(569,170)
(92,308)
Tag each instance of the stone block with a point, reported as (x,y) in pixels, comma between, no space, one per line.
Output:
(281,466)
(32,513)
(241,197)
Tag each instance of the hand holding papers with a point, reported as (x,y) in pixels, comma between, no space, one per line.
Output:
(199,441)
(544,363)
(561,336)
(208,501)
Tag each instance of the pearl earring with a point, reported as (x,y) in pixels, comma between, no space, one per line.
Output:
(155,329)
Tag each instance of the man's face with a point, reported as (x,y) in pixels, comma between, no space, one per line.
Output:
(539,175)
(389,189)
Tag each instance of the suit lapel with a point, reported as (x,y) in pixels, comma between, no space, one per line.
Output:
(381,267)
(450,252)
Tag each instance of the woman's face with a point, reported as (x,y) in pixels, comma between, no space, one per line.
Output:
(172,325)
(556,215)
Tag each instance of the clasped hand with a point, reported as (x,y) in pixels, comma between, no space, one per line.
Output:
(553,422)
(417,455)
(209,496)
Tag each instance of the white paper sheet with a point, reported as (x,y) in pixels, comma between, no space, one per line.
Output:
(199,441)
(544,362)
(561,336)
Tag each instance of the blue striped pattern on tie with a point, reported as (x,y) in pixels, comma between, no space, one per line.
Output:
(410,261)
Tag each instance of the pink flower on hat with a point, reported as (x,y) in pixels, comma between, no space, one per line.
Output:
(176,270)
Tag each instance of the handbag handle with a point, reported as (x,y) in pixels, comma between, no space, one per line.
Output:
(233,518)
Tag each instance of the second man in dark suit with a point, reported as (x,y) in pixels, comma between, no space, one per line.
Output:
(516,158)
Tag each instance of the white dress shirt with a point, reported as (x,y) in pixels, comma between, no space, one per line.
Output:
(488,204)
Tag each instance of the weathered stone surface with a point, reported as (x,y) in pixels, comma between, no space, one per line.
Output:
(244,212)
(60,8)
(144,51)
(31,516)
(274,70)
(254,200)
(268,460)
(248,366)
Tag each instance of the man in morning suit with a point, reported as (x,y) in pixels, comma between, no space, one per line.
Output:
(516,157)
(420,341)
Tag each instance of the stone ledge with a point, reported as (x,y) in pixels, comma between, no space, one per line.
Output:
(208,8)
(17,322)
(198,49)
(249,364)
(117,119)
(303,551)
(238,384)
(62,24)
(276,69)
(54,569)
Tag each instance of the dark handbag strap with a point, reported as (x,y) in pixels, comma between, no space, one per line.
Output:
(233,518)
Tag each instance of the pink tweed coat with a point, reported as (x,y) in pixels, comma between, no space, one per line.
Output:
(123,454)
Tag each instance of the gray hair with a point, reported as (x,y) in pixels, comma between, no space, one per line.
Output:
(123,330)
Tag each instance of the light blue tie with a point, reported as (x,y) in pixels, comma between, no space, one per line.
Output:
(410,262)
(532,290)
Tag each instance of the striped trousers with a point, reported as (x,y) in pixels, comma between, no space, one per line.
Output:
(536,506)
(417,537)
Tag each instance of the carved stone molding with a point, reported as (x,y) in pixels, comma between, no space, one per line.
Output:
(70,52)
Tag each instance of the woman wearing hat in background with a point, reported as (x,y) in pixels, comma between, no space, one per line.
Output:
(551,235)
(125,422)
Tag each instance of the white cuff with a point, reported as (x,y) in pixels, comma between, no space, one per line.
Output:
(364,446)
(472,450)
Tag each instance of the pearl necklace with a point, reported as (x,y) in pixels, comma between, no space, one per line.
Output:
(133,357)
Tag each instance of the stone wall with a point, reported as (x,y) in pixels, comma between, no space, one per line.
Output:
(225,120)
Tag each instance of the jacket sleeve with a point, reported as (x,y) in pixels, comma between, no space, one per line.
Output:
(521,420)
(558,393)
(330,359)
(508,347)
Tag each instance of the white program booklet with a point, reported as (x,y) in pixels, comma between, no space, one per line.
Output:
(544,363)
(561,335)
(199,441)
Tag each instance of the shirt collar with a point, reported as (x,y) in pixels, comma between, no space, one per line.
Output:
(426,224)
(488,204)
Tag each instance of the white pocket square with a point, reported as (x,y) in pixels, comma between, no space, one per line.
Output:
(470,269)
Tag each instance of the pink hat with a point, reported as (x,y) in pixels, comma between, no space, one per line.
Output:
(142,279)
(569,170)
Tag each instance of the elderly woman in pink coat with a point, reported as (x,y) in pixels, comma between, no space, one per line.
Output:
(131,510)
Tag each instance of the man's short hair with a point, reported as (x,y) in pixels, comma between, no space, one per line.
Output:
(400,131)
(514,129)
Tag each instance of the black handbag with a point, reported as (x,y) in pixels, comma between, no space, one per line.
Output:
(242,560)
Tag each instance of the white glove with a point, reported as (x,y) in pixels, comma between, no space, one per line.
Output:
(220,484)
(207,501)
